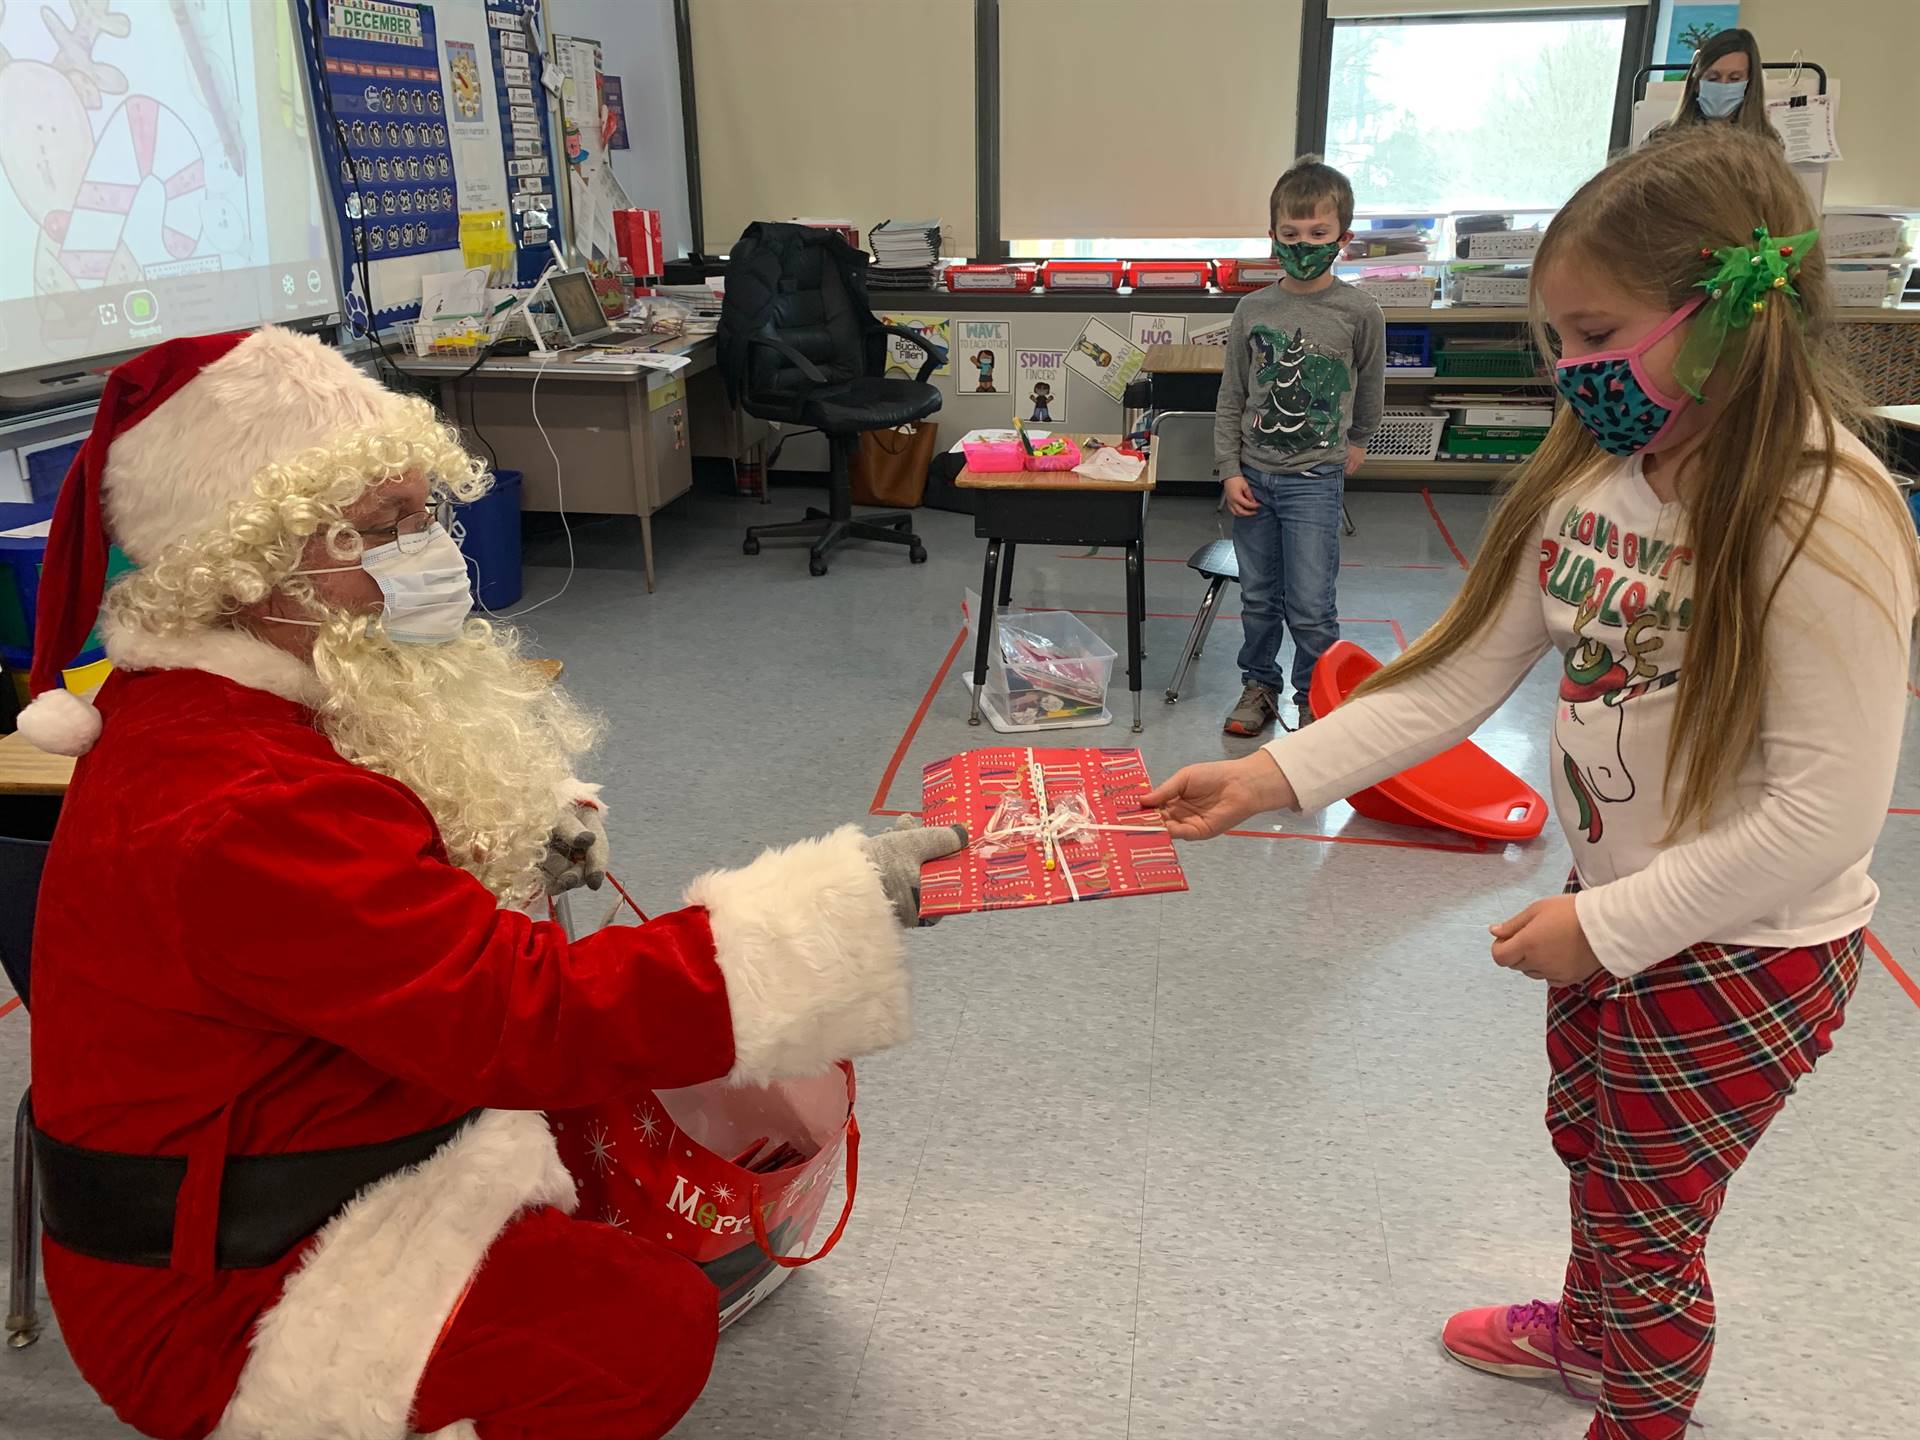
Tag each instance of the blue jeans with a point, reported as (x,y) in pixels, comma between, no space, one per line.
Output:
(1289,564)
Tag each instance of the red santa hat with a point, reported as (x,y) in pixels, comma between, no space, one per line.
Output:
(181,432)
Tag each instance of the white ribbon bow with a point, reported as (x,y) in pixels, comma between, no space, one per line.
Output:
(1016,824)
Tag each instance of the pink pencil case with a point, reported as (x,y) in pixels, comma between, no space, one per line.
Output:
(986,457)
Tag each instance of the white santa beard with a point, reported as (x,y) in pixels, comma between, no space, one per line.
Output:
(482,740)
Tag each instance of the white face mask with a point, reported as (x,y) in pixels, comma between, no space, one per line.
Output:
(424,588)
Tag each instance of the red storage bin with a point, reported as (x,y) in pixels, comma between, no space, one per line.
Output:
(1240,275)
(1082,274)
(1170,274)
(1020,278)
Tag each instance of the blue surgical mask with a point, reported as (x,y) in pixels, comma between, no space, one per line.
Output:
(1720,98)
(425,595)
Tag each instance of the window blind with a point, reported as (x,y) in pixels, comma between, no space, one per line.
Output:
(1387,9)
(1140,118)
(860,109)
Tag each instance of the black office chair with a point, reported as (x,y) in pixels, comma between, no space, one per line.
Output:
(799,345)
(21,862)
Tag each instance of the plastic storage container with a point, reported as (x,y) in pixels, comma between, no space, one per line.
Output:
(1409,350)
(1867,233)
(1046,671)
(1082,274)
(1401,286)
(1519,362)
(1237,275)
(1019,278)
(1489,285)
(1868,282)
(1170,274)
(488,533)
(1407,433)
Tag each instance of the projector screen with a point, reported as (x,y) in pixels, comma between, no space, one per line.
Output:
(158,176)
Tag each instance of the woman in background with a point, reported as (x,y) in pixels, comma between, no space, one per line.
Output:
(1725,84)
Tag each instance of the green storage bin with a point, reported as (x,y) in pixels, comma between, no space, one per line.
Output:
(1520,363)
(1482,442)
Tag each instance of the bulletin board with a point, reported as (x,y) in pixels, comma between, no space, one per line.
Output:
(421,124)
(526,142)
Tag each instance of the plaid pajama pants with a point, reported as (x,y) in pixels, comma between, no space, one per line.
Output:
(1662,1085)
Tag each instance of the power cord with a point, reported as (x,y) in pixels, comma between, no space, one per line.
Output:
(560,500)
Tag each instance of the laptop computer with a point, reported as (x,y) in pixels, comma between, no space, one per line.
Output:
(579,309)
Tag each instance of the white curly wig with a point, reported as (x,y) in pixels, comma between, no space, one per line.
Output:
(484,743)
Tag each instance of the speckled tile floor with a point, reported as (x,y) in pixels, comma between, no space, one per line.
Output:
(1214,1164)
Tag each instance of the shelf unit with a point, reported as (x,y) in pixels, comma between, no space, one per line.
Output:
(1443,382)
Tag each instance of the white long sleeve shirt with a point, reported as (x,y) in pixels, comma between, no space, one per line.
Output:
(1782,859)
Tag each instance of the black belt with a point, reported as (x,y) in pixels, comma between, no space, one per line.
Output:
(121,1207)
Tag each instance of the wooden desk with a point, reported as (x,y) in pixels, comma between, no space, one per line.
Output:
(27,771)
(1184,360)
(586,437)
(1055,507)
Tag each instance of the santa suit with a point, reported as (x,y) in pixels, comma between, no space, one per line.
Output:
(247,945)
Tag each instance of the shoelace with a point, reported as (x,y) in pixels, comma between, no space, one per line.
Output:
(1545,1312)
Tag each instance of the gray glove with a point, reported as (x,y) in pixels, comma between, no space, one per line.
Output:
(576,851)
(898,855)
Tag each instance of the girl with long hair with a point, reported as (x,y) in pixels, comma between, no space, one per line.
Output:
(1728,579)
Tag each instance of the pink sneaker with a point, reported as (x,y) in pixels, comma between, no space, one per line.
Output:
(1522,1342)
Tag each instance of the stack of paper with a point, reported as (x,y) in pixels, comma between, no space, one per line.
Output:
(906,254)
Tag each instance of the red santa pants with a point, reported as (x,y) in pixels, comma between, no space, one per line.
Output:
(1662,1085)
(572,1331)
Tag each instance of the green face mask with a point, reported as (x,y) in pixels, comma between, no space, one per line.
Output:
(1306,262)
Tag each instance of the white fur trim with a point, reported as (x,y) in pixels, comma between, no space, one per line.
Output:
(172,477)
(60,723)
(812,955)
(231,654)
(578,792)
(459,1430)
(341,1353)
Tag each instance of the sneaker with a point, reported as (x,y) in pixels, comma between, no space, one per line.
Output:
(1259,707)
(1522,1342)
(1302,714)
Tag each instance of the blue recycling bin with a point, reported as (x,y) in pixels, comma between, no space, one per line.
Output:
(488,532)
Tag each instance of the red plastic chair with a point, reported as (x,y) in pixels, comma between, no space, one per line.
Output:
(1464,789)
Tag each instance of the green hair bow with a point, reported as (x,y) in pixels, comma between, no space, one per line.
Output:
(1743,280)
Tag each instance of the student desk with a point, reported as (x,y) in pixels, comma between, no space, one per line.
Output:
(1185,377)
(1057,507)
(617,438)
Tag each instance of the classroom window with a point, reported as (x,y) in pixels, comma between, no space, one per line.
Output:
(1480,112)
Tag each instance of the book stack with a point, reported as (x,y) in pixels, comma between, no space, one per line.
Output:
(906,255)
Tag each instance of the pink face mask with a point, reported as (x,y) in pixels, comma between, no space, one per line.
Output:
(1616,399)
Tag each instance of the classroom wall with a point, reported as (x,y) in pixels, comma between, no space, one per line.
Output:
(637,44)
(1866,48)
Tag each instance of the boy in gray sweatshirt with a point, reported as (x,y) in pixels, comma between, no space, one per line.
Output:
(1300,397)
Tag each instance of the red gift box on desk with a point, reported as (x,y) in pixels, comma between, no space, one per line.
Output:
(1049,827)
(637,233)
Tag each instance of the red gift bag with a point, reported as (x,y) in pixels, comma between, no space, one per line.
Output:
(676,1166)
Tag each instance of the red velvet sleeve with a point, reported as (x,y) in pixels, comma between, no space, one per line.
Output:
(324,905)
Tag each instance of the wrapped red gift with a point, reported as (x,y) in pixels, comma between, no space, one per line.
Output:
(637,233)
(1049,827)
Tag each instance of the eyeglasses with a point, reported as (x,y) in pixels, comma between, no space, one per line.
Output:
(410,532)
